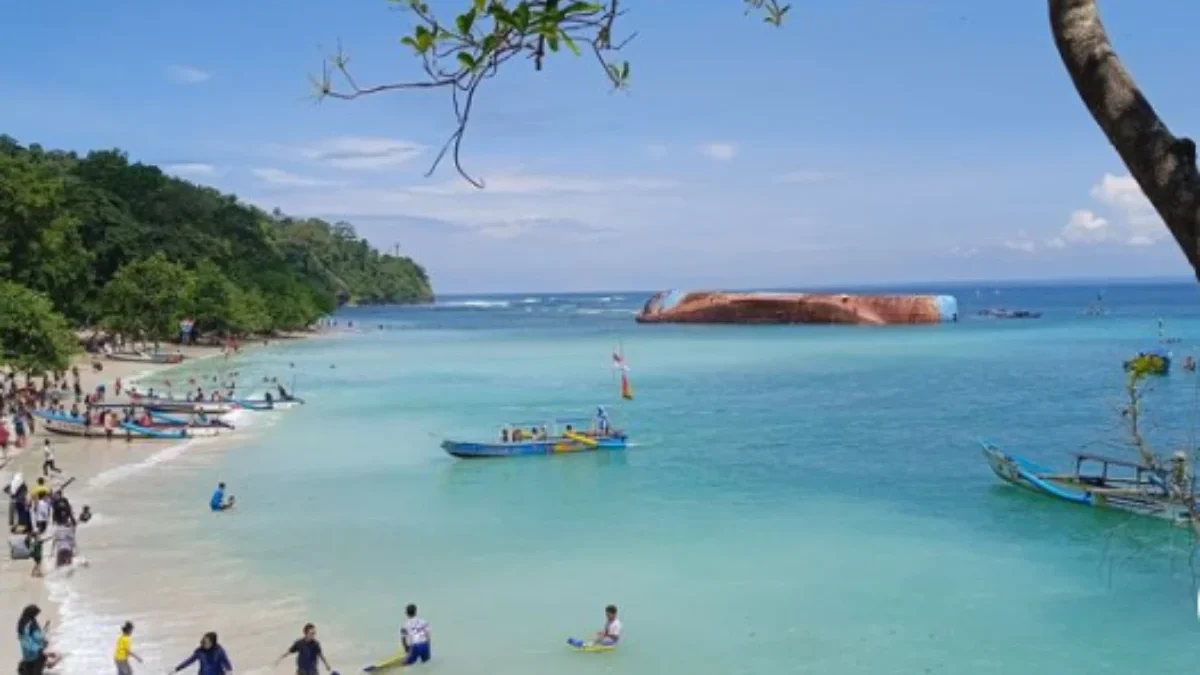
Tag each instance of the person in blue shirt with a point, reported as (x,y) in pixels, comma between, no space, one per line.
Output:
(210,655)
(34,657)
(218,502)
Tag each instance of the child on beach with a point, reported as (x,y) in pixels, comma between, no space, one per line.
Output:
(48,464)
(124,650)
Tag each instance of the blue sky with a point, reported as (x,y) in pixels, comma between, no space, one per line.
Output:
(866,141)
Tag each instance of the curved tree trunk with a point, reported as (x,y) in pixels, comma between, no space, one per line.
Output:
(1162,164)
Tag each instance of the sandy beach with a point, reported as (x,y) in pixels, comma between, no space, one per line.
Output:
(96,465)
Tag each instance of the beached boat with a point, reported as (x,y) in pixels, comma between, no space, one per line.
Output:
(68,425)
(143,357)
(195,428)
(554,437)
(1098,481)
(175,405)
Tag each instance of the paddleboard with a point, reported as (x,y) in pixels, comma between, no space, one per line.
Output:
(581,646)
(394,661)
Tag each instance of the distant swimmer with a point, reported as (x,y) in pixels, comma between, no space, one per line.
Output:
(414,635)
(219,502)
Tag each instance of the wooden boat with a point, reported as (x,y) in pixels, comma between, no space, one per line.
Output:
(175,405)
(561,436)
(261,404)
(67,425)
(1098,481)
(142,357)
(195,428)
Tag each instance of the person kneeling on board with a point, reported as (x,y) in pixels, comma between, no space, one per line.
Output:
(612,628)
(414,635)
(218,502)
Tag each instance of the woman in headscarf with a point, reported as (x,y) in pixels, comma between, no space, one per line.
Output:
(210,655)
(34,657)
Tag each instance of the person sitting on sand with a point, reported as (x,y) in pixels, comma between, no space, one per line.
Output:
(218,502)
(210,655)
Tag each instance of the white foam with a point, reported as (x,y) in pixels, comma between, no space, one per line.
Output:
(481,304)
(118,473)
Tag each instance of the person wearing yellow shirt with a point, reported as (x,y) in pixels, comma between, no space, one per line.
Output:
(124,650)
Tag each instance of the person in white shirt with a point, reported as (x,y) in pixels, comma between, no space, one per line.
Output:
(41,514)
(611,634)
(48,464)
(414,635)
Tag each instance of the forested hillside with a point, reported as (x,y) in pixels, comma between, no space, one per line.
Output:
(123,245)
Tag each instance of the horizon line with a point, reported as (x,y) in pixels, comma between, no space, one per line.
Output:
(825,286)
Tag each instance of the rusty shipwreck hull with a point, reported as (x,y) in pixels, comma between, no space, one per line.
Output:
(777,308)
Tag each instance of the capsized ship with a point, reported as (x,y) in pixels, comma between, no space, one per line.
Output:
(775,308)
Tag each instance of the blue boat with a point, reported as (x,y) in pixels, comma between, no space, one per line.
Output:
(1102,482)
(552,437)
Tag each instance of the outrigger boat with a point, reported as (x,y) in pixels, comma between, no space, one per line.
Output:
(175,405)
(551,437)
(68,425)
(1104,482)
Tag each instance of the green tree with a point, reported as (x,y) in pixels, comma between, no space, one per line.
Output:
(212,300)
(460,52)
(147,298)
(40,247)
(33,337)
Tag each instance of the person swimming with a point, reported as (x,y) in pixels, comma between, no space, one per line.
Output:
(219,502)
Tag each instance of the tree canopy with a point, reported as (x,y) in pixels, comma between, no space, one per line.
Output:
(122,244)
(33,337)
(460,51)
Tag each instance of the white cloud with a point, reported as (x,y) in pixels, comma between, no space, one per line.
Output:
(656,151)
(195,169)
(361,153)
(721,151)
(281,178)
(1022,243)
(1125,197)
(807,176)
(188,74)
(1085,226)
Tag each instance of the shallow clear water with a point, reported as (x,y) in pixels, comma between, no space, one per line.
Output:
(800,499)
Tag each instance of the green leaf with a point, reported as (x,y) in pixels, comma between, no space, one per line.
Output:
(582,8)
(465,21)
(569,43)
(625,71)
(466,60)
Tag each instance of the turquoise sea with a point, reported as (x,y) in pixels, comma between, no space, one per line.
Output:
(800,499)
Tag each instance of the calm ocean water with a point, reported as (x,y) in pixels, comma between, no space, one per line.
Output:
(800,499)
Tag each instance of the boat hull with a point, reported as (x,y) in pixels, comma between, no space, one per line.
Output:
(553,446)
(1030,476)
(175,406)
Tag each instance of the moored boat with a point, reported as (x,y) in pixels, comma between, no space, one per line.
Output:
(1103,482)
(553,437)
(175,405)
(142,357)
(68,425)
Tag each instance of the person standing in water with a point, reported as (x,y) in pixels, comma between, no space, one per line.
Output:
(414,635)
(210,655)
(308,652)
(124,650)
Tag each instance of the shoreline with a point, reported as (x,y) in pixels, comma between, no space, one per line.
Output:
(96,467)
